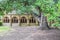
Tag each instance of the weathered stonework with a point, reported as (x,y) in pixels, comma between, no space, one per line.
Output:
(19,19)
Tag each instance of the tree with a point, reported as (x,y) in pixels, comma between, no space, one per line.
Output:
(44,7)
(57,15)
(40,9)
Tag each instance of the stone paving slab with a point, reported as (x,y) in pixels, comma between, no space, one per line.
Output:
(18,33)
(31,33)
(45,35)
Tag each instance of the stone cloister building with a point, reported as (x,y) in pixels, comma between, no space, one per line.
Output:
(19,20)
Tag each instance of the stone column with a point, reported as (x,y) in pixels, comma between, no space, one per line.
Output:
(28,21)
(19,21)
(36,22)
(11,20)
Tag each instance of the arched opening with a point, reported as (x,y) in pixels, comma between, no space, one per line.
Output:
(23,20)
(14,20)
(6,20)
(32,20)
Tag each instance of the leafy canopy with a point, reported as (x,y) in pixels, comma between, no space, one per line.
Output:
(50,8)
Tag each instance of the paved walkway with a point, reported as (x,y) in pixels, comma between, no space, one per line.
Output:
(30,33)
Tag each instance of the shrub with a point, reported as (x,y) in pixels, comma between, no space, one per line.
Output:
(56,25)
(1,23)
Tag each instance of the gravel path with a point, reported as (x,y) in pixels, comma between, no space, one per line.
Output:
(31,33)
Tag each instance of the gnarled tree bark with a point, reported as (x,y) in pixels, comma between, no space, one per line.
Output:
(42,20)
(43,23)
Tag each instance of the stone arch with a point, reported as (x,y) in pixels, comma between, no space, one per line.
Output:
(14,20)
(32,20)
(23,20)
(6,20)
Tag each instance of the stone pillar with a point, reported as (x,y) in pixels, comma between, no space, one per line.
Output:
(28,21)
(19,21)
(11,20)
(36,22)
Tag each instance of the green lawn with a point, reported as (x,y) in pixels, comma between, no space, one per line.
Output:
(4,28)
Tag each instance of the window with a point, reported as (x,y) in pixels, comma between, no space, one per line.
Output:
(32,20)
(14,20)
(6,20)
(23,20)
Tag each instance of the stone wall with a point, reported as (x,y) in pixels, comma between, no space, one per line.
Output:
(19,18)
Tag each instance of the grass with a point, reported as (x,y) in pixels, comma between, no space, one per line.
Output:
(4,28)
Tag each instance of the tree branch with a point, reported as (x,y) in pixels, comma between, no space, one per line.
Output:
(37,17)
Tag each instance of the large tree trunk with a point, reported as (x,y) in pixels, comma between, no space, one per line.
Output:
(41,18)
(43,23)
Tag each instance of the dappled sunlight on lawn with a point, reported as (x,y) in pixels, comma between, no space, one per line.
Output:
(4,28)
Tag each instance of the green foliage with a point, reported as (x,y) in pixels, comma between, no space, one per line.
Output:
(56,25)
(1,13)
(1,23)
(50,8)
